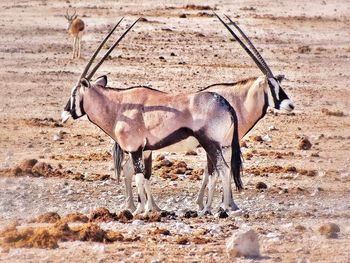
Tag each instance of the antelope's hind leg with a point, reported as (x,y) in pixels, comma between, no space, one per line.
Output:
(228,181)
(208,171)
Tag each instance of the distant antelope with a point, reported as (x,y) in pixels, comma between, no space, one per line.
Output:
(250,98)
(75,28)
(142,119)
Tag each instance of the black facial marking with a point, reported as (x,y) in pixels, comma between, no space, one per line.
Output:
(67,107)
(273,92)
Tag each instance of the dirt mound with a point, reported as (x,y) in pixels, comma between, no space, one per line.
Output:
(75,217)
(49,217)
(125,216)
(332,113)
(102,156)
(151,217)
(276,169)
(167,169)
(273,154)
(32,167)
(102,215)
(48,237)
(46,122)
(198,7)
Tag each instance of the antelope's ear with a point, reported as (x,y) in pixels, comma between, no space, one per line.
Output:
(85,83)
(280,78)
(101,81)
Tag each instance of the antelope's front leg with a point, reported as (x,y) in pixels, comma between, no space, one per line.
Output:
(74,47)
(128,174)
(140,181)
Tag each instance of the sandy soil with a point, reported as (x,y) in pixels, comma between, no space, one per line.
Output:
(179,49)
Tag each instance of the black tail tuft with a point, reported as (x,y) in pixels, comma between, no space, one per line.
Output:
(236,157)
(118,156)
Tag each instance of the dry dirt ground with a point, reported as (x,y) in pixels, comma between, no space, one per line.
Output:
(181,49)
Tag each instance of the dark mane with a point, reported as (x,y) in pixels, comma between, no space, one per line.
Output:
(135,87)
(241,82)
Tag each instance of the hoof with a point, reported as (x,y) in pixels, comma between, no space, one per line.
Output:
(205,212)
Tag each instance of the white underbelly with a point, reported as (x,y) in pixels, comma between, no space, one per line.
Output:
(188,144)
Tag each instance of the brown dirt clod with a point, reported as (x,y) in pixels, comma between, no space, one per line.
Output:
(49,217)
(304,144)
(102,215)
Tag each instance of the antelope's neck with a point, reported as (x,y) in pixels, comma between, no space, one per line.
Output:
(99,109)
(254,106)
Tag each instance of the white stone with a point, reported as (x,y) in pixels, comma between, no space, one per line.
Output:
(57,137)
(138,222)
(243,243)
(267,138)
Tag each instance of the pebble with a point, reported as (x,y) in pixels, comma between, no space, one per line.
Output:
(215,230)
(57,137)
(330,230)
(272,128)
(137,254)
(267,138)
(274,236)
(243,243)
(138,222)
(261,185)
(304,144)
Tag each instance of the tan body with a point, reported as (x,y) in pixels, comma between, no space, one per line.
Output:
(76,28)
(250,99)
(142,120)
(155,114)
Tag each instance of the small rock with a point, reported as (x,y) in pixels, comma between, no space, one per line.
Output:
(138,222)
(256,138)
(191,152)
(28,164)
(330,230)
(272,128)
(57,137)
(304,144)
(222,214)
(243,144)
(182,16)
(261,185)
(190,214)
(137,254)
(267,138)
(243,243)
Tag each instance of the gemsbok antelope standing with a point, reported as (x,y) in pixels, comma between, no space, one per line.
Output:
(249,97)
(142,119)
(75,29)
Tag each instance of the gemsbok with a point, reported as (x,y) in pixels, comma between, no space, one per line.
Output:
(142,119)
(75,29)
(249,97)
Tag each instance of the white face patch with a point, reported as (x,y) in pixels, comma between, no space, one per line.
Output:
(287,105)
(65,115)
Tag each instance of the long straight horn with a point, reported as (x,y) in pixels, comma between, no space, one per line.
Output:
(257,62)
(109,51)
(256,52)
(88,65)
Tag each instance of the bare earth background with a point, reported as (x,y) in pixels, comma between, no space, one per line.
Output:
(181,49)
